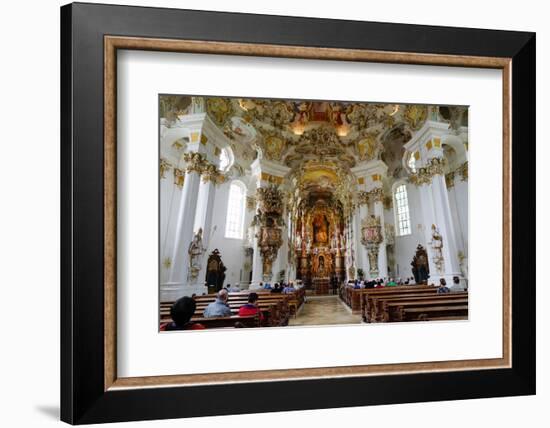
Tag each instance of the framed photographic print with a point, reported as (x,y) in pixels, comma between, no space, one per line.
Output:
(340,213)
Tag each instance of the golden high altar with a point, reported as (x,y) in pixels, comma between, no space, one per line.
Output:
(319,249)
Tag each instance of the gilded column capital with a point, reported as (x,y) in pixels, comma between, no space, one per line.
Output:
(362,198)
(164,167)
(436,166)
(450,180)
(463,171)
(376,195)
(210,173)
(179,177)
(196,162)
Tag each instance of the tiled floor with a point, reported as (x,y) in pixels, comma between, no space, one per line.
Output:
(324,310)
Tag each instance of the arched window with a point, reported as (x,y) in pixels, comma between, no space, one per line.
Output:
(401,205)
(234,223)
(411,163)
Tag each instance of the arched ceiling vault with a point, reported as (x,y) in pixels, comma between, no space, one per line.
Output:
(318,140)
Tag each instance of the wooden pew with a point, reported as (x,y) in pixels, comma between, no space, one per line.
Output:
(364,294)
(274,306)
(380,306)
(226,322)
(397,310)
(371,300)
(459,312)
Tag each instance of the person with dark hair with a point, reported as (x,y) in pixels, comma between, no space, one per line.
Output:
(442,289)
(251,308)
(233,289)
(181,312)
(277,288)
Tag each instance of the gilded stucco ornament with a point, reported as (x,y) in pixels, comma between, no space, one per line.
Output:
(415,115)
(376,195)
(436,166)
(463,171)
(270,199)
(274,146)
(450,180)
(321,141)
(421,177)
(179,177)
(210,174)
(371,238)
(272,112)
(250,203)
(368,147)
(196,162)
(269,223)
(164,167)
(362,198)
(437,246)
(219,109)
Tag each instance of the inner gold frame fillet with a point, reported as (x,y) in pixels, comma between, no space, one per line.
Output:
(113,43)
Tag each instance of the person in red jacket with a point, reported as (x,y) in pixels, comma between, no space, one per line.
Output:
(251,308)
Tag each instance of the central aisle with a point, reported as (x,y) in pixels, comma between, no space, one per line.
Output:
(324,310)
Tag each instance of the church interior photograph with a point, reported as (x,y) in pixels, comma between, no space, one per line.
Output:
(277,212)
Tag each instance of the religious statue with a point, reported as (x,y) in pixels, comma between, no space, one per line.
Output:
(215,272)
(321,270)
(320,229)
(437,246)
(420,268)
(195,252)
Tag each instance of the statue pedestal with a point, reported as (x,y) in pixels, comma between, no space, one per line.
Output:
(321,285)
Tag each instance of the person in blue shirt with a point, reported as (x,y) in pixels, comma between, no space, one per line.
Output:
(442,289)
(219,307)
(289,288)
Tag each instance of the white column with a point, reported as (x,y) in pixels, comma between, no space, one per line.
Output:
(183,235)
(257,268)
(382,254)
(169,212)
(444,221)
(362,258)
(203,219)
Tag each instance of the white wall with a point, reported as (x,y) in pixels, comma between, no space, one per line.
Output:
(37,36)
(405,246)
(231,250)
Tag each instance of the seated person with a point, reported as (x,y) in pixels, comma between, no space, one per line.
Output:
(219,307)
(251,308)
(181,312)
(379,283)
(391,283)
(443,287)
(370,284)
(456,286)
(289,289)
(234,289)
(277,288)
(267,286)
